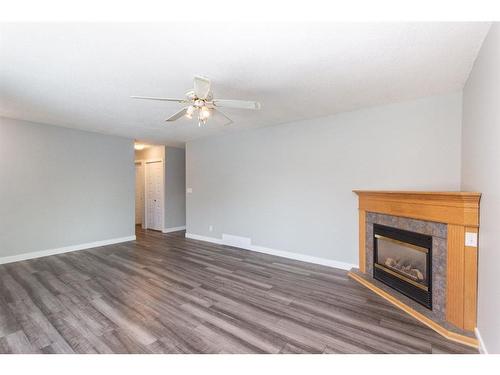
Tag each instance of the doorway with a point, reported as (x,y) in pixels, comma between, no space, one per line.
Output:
(139,193)
(150,186)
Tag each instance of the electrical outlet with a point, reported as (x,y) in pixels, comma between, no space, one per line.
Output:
(471,239)
(189,190)
(210,228)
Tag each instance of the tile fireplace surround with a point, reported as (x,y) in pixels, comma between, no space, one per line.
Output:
(446,217)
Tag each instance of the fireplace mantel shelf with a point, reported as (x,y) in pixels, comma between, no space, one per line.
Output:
(420,192)
(459,210)
(449,207)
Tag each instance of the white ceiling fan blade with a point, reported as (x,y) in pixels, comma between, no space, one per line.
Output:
(201,87)
(177,115)
(162,99)
(242,104)
(229,121)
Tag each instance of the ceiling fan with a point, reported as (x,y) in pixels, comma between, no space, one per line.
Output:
(200,102)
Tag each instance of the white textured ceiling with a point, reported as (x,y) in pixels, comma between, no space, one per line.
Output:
(81,75)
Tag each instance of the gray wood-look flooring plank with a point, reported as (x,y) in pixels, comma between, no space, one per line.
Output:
(167,294)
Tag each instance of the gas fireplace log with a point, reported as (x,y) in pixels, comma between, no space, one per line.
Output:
(407,270)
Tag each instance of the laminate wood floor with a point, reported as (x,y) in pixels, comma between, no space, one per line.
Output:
(167,294)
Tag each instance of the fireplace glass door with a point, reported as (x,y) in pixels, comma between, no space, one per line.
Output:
(402,260)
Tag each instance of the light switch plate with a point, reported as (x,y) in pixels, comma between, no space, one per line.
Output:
(189,190)
(471,239)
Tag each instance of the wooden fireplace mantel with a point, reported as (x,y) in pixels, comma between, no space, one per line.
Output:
(460,211)
(449,207)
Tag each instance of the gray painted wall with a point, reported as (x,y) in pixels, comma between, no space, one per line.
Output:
(62,187)
(289,187)
(175,188)
(480,172)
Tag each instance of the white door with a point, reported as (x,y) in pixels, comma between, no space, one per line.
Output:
(139,193)
(154,202)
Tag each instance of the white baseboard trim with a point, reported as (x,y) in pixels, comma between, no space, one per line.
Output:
(173,229)
(203,238)
(482,347)
(304,258)
(65,249)
(279,253)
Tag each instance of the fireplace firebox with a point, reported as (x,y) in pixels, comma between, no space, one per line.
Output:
(403,261)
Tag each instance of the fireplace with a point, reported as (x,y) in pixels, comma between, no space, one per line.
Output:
(403,261)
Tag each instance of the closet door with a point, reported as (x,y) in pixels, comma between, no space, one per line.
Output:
(154,201)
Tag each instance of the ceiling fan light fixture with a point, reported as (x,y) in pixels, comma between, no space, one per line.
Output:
(204,114)
(189,112)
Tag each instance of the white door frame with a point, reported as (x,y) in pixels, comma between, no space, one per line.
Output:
(162,193)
